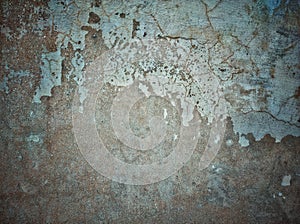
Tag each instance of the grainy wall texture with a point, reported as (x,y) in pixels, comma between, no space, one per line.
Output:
(150,111)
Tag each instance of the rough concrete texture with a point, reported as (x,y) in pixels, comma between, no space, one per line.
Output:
(219,81)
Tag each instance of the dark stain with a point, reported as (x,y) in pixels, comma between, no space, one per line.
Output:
(222,69)
(283,33)
(297,93)
(93,18)
(94,44)
(135,27)
(122,15)
(272,72)
(96,3)
(244,91)
(247,9)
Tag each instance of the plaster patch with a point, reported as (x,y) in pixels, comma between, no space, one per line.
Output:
(244,142)
(51,74)
(261,124)
(144,89)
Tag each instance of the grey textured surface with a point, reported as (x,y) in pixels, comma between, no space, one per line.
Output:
(245,53)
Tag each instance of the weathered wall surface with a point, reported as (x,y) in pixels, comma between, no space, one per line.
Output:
(218,81)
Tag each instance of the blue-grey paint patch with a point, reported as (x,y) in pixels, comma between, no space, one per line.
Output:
(51,74)
(66,19)
(261,124)
(272,5)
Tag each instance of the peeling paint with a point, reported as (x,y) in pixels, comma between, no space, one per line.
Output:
(239,56)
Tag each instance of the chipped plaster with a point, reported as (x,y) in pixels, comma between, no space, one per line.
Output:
(255,81)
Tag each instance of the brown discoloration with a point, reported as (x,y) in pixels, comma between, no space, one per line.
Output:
(122,15)
(272,72)
(93,18)
(94,43)
(297,93)
(25,53)
(135,27)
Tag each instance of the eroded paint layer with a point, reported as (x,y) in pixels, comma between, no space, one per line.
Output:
(248,51)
